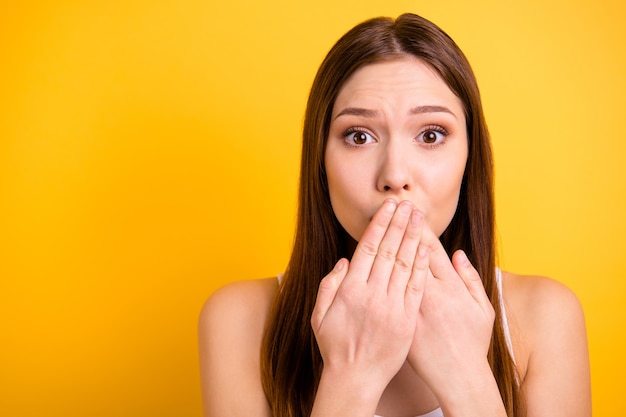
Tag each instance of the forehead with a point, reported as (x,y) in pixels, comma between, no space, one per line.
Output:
(396,84)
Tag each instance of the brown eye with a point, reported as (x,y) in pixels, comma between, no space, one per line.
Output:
(433,136)
(430,136)
(359,138)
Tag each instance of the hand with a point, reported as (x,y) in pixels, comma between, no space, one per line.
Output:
(455,322)
(366,310)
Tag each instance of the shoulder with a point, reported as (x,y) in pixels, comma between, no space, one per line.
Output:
(237,312)
(230,331)
(550,344)
(538,295)
(239,300)
(542,310)
(540,303)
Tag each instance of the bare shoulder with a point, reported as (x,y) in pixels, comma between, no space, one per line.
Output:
(239,300)
(540,309)
(230,331)
(550,345)
(537,298)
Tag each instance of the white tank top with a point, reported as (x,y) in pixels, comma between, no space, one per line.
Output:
(435,413)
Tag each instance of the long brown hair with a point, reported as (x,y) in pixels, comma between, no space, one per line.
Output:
(290,359)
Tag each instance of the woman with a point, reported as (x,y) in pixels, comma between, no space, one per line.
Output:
(414,318)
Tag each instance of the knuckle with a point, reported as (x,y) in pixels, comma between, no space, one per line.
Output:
(415,286)
(387,253)
(326,283)
(397,224)
(368,248)
(413,233)
(346,294)
(420,266)
(402,264)
(316,320)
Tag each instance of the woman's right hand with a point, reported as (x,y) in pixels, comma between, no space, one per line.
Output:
(366,310)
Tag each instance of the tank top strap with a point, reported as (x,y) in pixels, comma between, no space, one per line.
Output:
(505,320)
(437,412)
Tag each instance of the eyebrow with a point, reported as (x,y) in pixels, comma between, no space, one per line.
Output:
(430,109)
(357,111)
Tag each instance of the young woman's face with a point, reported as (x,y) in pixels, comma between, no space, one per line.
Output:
(396,131)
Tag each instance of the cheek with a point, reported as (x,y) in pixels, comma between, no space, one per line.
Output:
(444,194)
(445,208)
(348,198)
(343,204)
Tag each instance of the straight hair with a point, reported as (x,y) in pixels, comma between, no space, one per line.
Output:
(291,363)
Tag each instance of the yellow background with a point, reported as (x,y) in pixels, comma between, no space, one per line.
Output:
(149,154)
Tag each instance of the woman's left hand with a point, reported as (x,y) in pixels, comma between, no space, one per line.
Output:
(455,322)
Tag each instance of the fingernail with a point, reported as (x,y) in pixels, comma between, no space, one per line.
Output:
(405,207)
(463,258)
(416,217)
(339,265)
(390,206)
(422,251)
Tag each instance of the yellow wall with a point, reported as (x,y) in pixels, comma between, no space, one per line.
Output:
(148,154)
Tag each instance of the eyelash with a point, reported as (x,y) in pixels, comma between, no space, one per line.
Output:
(352,130)
(431,128)
(434,128)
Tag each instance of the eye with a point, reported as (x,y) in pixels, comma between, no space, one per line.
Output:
(356,136)
(434,135)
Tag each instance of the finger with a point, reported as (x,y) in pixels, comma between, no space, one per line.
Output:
(387,260)
(417,282)
(440,264)
(407,253)
(470,278)
(367,249)
(327,291)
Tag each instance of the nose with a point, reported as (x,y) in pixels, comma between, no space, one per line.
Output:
(395,174)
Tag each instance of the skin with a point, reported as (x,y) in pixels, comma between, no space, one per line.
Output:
(398,132)
(415,144)
(394,193)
